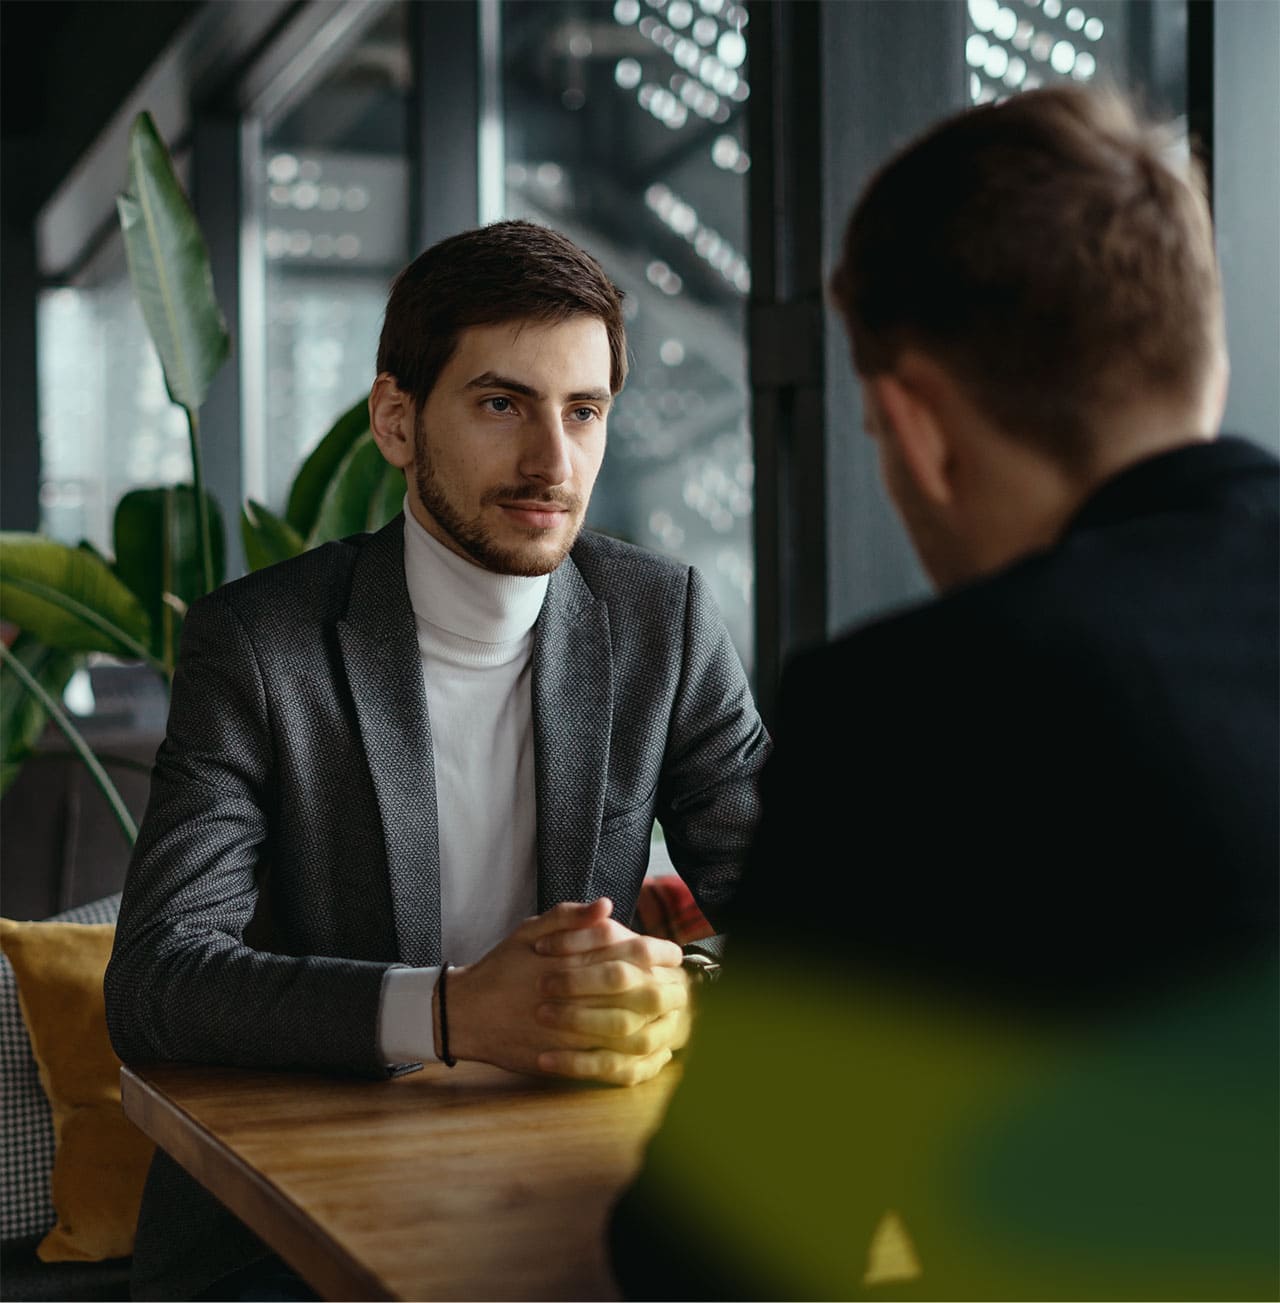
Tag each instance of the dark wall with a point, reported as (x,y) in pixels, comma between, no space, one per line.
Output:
(60,844)
(1246,201)
(64,70)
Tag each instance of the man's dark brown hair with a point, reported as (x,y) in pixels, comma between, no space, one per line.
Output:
(508,271)
(1049,251)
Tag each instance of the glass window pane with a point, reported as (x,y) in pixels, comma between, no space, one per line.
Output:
(1021,44)
(625,127)
(332,202)
(106,422)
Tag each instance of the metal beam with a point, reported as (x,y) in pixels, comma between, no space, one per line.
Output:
(786,355)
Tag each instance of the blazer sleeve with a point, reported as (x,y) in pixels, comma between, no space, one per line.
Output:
(708,795)
(182,983)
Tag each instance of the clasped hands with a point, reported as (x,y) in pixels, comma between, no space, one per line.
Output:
(573,993)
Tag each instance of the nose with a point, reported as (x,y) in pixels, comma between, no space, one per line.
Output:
(544,453)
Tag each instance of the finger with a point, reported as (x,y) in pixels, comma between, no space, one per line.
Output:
(609,1024)
(649,994)
(615,978)
(644,952)
(576,940)
(573,1033)
(663,1033)
(568,914)
(604,1065)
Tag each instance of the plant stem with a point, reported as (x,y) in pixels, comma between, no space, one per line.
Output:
(202,505)
(76,738)
(166,577)
(104,757)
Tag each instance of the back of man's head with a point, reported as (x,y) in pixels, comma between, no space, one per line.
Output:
(507,271)
(1052,252)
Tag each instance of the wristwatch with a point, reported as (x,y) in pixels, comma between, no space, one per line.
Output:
(701,968)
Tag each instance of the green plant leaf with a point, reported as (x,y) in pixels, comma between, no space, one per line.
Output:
(85,546)
(169,267)
(388,500)
(345,508)
(267,538)
(68,598)
(157,542)
(315,475)
(22,716)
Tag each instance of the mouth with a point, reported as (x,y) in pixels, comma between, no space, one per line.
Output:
(535,515)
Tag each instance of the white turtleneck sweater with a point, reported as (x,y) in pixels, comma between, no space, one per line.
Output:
(475,638)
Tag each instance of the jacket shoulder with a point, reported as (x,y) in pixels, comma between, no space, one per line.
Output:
(984,637)
(618,571)
(310,587)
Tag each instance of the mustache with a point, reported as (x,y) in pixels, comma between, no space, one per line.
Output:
(532,493)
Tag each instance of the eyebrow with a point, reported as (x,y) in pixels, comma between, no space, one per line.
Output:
(492,380)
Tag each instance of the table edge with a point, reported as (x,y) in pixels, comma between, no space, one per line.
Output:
(307,1247)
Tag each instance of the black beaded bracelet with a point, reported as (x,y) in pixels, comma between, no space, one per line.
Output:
(445,1056)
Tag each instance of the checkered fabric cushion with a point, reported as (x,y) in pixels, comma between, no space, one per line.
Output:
(26,1123)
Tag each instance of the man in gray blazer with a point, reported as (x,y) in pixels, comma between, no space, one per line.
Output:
(403,808)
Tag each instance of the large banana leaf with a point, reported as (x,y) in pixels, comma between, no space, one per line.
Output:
(68,598)
(315,476)
(22,717)
(169,267)
(158,555)
(85,546)
(346,504)
(267,538)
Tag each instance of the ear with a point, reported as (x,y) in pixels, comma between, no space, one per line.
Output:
(909,416)
(391,420)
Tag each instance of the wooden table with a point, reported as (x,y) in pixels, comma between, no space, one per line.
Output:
(465,1184)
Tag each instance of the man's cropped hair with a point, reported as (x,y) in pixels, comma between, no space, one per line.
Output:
(1051,250)
(504,272)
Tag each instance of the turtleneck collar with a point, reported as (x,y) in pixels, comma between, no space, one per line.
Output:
(451,593)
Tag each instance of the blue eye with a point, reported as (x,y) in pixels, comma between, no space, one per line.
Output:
(584,413)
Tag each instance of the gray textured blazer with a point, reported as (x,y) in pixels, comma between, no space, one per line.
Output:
(289,852)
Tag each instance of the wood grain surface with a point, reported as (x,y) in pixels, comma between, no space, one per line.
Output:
(471,1183)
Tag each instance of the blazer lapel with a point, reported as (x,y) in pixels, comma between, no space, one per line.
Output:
(572,712)
(380,649)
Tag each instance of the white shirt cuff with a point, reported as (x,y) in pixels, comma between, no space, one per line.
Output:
(405,1033)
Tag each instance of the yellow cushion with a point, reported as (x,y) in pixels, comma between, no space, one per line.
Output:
(100,1158)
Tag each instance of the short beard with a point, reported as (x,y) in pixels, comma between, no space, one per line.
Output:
(472,539)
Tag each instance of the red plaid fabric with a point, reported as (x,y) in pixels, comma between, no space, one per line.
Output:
(666,908)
